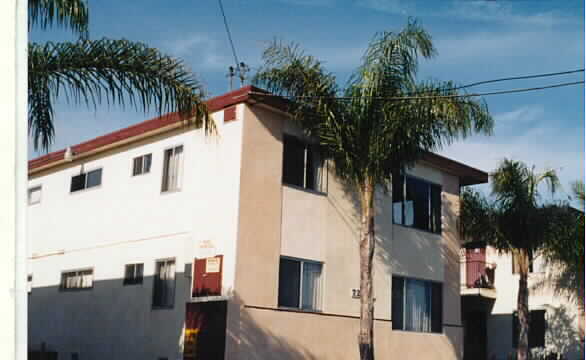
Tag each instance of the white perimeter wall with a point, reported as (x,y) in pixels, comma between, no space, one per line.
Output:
(128,220)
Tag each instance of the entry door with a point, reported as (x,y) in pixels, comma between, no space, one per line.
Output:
(475,265)
(205,331)
(475,335)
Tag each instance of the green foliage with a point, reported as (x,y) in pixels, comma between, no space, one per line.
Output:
(91,72)
(72,14)
(367,136)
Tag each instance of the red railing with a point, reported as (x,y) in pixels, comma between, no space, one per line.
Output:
(479,274)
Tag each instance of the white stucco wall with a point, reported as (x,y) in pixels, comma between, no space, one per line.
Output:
(561,313)
(127,220)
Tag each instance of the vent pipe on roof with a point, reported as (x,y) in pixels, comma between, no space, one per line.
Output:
(68,154)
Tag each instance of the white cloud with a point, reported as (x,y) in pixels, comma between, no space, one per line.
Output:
(201,50)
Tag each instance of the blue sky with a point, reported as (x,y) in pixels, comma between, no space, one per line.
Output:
(476,40)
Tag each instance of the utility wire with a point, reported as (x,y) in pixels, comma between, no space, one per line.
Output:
(429,96)
(518,78)
(229,34)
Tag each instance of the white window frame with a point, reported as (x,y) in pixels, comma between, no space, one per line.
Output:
(142,168)
(178,169)
(86,172)
(132,281)
(321,189)
(34,188)
(77,271)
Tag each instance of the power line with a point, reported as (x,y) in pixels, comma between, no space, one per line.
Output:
(518,78)
(431,96)
(229,34)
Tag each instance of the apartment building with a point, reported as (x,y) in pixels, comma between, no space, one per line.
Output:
(489,288)
(158,242)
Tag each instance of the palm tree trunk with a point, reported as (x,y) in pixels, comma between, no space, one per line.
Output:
(523,307)
(365,337)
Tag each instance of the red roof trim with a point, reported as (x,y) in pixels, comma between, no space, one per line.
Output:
(214,104)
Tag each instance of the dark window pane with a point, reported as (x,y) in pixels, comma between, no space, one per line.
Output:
(537,329)
(78,182)
(409,204)
(293,161)
(436,209)
(138,273)
(398,195)
(311,169)
(515,329)
(397,311)
(137,166)
(128,274)
(94,178)
(289,282)
(421,205)
(436,307)
(146,166)
(166,172)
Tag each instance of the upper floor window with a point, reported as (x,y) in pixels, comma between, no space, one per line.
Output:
(86,180)
(417,305)
(417,203)
(34,195)
(172,165)
(78,279)
(164,284)
(300,284)
(141,165)
(303,165)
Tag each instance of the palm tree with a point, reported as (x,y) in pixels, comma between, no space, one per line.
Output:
(93,71)
(367,136)
(513,223)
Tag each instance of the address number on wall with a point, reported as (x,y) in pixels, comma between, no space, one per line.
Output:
(355,293)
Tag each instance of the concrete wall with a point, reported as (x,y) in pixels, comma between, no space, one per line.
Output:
(277,219)
(562,315)
(127,220)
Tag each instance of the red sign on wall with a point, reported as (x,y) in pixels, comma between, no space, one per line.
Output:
(207,279)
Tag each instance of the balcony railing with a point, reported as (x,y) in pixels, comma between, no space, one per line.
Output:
(479,274)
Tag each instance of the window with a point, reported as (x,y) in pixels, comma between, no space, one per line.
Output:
(417,305)
(537,328)
(303,165)
(172,169)
(417,203)
(164,284)
(34,195)
(300,284)
(86,180)
(133,274)
(141,165)
(79,279)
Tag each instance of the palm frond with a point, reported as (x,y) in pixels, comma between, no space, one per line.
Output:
(113,71)
(72,14)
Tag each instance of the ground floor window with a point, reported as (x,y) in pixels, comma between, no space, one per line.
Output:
(164,284)
(78,279)
(300,284)
(417,305)
(536,329)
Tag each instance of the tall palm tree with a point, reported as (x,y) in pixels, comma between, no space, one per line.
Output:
(367,136)
(515,222)
(95,71)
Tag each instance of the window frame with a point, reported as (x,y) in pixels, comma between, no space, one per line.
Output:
(77,271)
(30,190)
(165,306)
(134,280)
(142,167)
(431,210)
(178,169)
(307,146)
(300,299)
(85,188)
(441,314)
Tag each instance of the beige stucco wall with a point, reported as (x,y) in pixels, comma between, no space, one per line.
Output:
(279,220)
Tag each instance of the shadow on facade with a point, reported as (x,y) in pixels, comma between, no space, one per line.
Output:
(116,321)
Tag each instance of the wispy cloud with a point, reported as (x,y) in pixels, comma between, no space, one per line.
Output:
(201,50)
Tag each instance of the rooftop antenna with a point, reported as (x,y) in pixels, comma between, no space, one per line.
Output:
(242,70)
